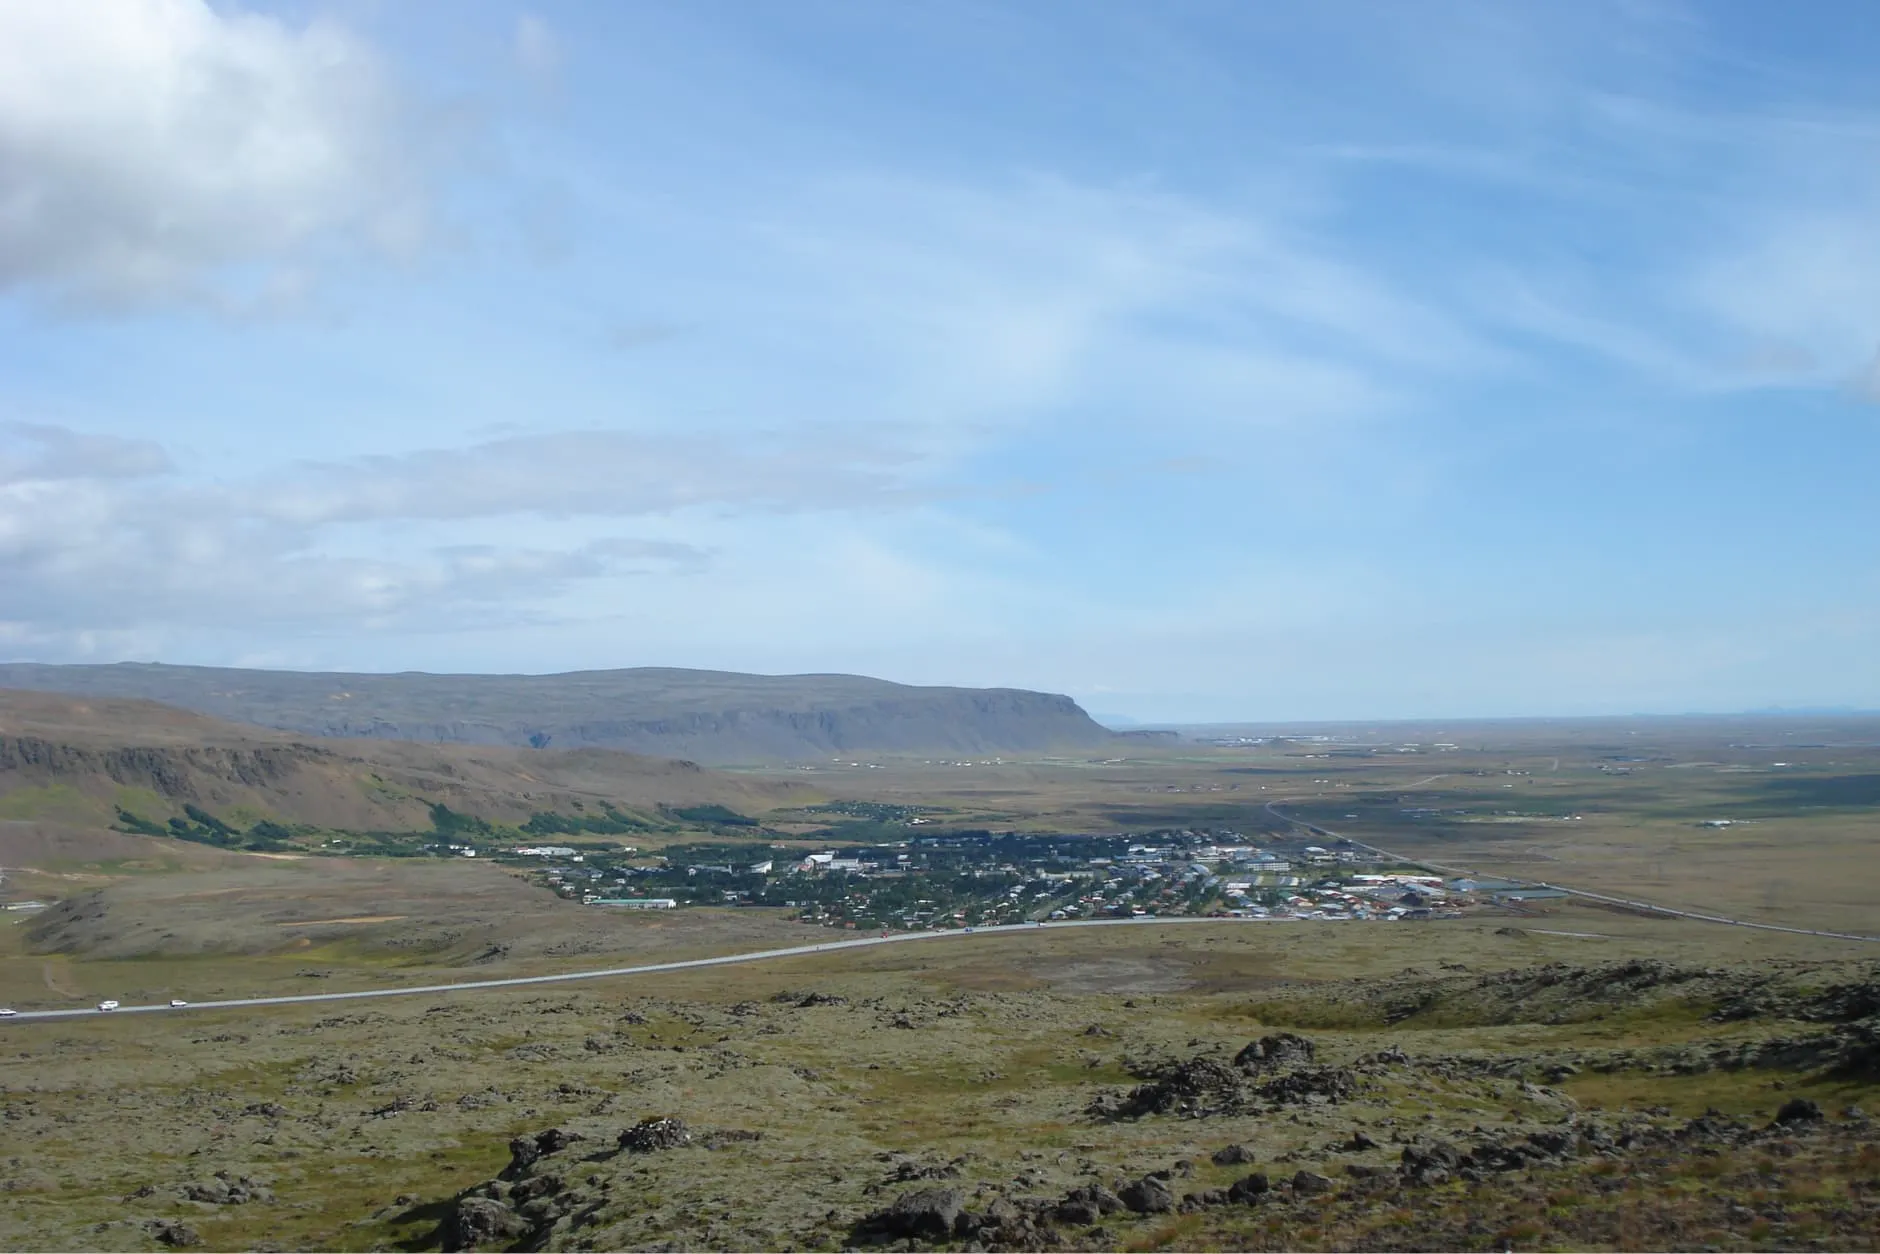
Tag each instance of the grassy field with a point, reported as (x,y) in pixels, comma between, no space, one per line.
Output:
(976,1059)
(819,1090)
(1612,808)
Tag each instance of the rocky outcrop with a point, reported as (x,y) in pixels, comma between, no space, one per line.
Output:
(1267,1074)
(649,1136)
(922,1215)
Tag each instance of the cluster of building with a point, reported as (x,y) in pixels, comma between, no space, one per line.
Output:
(965,879)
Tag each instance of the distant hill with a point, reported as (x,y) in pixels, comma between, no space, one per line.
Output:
(716,717)
(74,761)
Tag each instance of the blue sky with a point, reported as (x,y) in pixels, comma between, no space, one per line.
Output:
(1201,360)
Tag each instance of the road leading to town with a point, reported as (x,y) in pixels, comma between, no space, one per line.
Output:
(795,951)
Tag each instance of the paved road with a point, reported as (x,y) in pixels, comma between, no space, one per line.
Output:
(1272,807)
(795,951)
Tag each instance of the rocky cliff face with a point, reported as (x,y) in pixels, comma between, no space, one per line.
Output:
(708,716)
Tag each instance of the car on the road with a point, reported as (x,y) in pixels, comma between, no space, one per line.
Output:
(7,1012)
(177,1001)
(107,1004)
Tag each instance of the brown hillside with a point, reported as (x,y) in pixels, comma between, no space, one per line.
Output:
(75,760)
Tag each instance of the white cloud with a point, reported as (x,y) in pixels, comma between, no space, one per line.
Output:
(155,149)
(105,534)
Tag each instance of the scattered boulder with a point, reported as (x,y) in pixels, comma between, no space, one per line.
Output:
(1798,1112)
(1311,1183)
(1195,1089)
(522,1155)
(479,1221)
(1231,1156)
(526,1150)
(652,1135)
(1429,1164)
(1271,1052)
(1249,1189)
(1147,1196)
(1087,1204)
(923,1215)
(173,1233)
(1312,1086)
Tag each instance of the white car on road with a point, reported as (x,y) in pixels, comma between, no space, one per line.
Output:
(107,1004)
(7,1012)
(177,1001)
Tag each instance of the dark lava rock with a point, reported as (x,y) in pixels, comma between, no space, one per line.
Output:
(1094,1197)
(267,1110)
(1553,1143)
(1231,1156)
(1249,1189)
(1278,1050)
(1312,1086)
(522,1154)
(555,1140)
(1357,1143)
(1202,1200)
(651,1135)
(821,999)
(172,1233)
(1147,1196)
(1311,1183)
(1429,1164)
(1799,1111)
(479,1221)
(1195,1088)
(923,1215)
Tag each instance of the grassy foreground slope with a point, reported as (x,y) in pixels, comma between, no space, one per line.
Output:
(1450,1086)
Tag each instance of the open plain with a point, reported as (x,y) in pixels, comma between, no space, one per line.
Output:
(1529,1073)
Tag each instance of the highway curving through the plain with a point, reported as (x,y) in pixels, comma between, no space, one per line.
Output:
(566,977)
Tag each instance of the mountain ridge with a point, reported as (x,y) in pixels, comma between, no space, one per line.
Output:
(713,717)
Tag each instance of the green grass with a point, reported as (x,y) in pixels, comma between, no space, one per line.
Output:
(54,803)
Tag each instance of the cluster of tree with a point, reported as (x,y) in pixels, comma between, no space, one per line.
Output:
(610,822)
(712,815)
(198,825)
